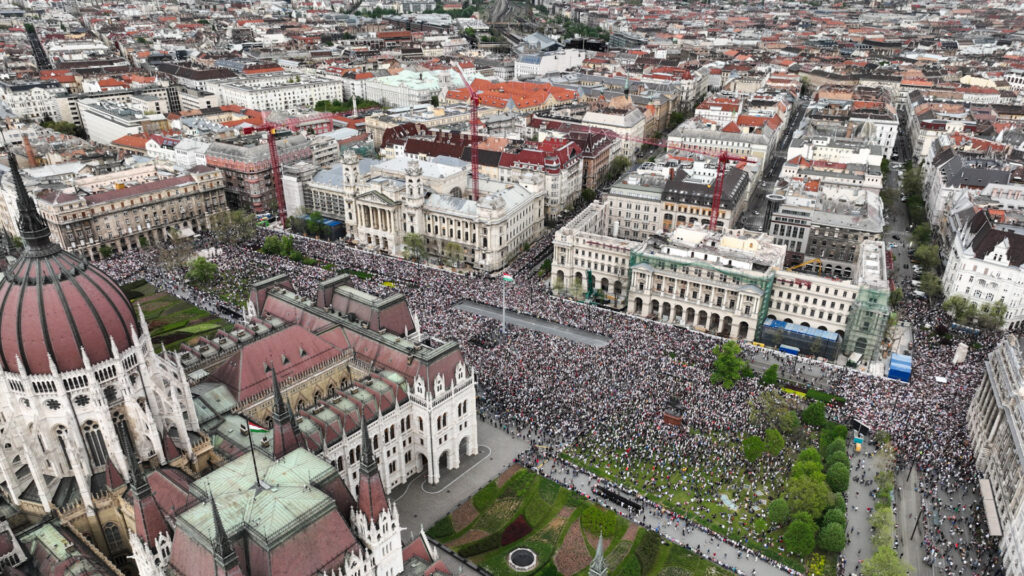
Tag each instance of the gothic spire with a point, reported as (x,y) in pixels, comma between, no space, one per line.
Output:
(597,565)
(281,412)
(34,230)
(223,550)
(367,462)
(139,482)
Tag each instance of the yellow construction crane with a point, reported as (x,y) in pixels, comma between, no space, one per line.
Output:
(805,263)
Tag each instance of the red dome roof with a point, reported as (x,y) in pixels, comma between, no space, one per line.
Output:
(53,304)
(57,305)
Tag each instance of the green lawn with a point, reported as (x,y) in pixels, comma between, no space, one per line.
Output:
(743,524)
(563,528)
(172,321)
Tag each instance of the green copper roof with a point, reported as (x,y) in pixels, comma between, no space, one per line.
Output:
(269,515)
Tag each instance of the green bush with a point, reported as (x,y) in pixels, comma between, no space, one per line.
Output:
(477,547)
(443,529)
(825,397)
(485,498)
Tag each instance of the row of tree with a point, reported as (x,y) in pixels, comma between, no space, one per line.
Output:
(812,503)
(417,248)
(885,561)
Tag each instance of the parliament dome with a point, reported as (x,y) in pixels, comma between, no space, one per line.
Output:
(54,304)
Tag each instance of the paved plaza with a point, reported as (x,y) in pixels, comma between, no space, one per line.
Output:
(424,504)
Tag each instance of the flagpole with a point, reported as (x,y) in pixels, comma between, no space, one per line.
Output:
(503,285)
(252,450)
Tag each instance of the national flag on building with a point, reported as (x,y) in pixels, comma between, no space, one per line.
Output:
(507,277)
(256,428)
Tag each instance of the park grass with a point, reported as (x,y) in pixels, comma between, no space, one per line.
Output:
(172,321)
(552,511)
(718,517)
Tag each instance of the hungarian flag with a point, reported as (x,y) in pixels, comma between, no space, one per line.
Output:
(256,428)
(507,277)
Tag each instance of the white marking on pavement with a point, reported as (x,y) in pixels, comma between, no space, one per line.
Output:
(454,480)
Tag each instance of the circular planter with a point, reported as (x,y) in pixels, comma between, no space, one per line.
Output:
(522,560)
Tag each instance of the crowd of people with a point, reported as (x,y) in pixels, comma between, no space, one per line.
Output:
(605,404)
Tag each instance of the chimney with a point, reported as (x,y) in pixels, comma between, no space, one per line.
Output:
(29,153)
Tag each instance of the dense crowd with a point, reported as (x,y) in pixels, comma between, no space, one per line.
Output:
(606,403)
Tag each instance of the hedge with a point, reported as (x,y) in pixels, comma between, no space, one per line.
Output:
(485,544)
(443,529)
(825,397)
(518,484)
(515,531)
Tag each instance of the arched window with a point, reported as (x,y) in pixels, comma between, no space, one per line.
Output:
(113,535)
(94,443)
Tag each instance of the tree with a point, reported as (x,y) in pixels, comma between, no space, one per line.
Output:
(434,100)
(176,251)
(895,296)
(991,316)
(928,256)
(961,309)
(885,562)
(415,246)
(201,272)
(774,442)
(453,253)
(233,227)
(809,494)
(616,167)
(832,538)
(106,251)
(799,537)
(807,468)
(832,445)
(771,375)
(315,225)
(753,447)
(789,422)
(923,233)
(834,516)
(814,415)
(885,166)
(838,477)
(931,285)
(778,511)
(882,522)
(271,245)
(728,365)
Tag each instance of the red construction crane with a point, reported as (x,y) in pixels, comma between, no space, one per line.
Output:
(474,144)
(723,163)
(271,128)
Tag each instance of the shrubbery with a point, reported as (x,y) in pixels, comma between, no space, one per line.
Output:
(443,529)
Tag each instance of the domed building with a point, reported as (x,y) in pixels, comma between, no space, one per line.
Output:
(80,383)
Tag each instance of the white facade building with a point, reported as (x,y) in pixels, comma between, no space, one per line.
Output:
(380,211)
(984,266)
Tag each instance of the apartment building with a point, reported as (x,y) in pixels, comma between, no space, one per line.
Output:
(115,213)
(287,91)
(245,162)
